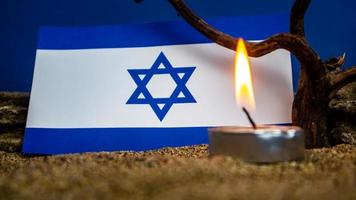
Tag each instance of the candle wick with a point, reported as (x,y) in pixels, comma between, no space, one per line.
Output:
(249,118)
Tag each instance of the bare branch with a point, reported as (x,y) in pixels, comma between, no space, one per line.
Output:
(297,17)
(341,79)
(296,45)
(335,63)
(199,24)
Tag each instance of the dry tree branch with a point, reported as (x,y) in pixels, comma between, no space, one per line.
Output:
(335,63)
(341,79)
(295,43)
(217,36)
(297,17)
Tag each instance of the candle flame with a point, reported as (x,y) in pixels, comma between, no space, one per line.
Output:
(244,94)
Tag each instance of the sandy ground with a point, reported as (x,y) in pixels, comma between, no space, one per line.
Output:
(174,173)
(171,173)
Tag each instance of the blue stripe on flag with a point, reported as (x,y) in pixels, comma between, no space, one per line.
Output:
(155,34)
(77,140)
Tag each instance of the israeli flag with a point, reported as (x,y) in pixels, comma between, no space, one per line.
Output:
(147,86)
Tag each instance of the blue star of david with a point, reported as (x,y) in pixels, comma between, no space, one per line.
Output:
(180,94)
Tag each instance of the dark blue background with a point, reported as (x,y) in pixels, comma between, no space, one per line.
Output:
(330,25)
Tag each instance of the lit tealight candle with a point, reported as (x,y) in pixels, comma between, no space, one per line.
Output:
(258,143)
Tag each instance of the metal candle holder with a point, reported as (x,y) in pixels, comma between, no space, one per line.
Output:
(265,144)
(258,144)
